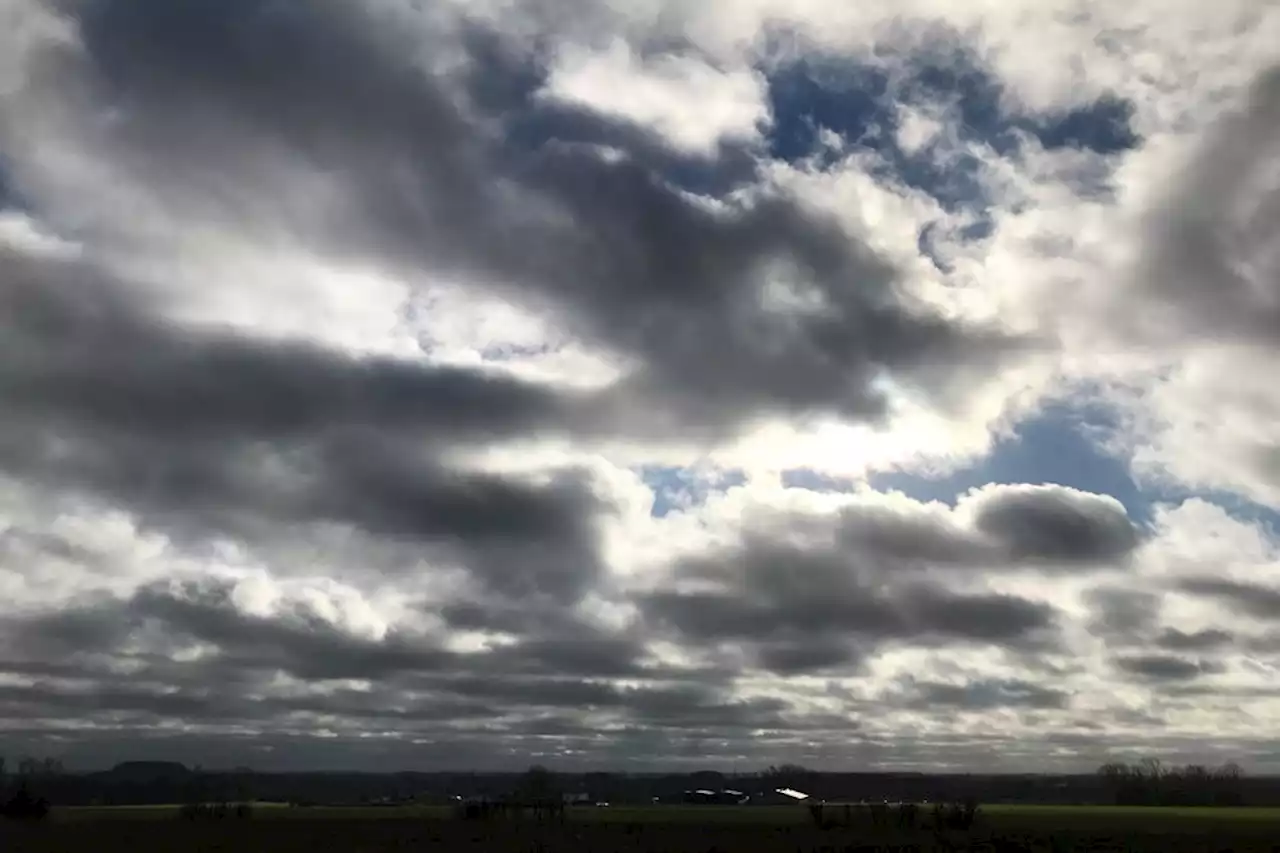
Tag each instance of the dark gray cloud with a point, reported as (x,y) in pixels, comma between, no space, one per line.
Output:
(881,536)
(1130,622)
(778,599)
(1056,524)
(983,695)
(1166,667)
(811,592)
(1262,602)
(161,618)
(558,652)
(807,593)
(208,433)
(79,347)
(806,654)
(1207,268)
(300,642)
(73,657)
(1010,527)
(1194,641)
(225,113)
(620,253)
(212,433)
(1205,292)
(1122,615)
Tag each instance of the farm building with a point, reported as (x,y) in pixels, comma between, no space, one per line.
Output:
(726,796)
(780,797)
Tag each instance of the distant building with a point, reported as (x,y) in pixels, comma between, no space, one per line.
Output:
(780,797)
(725,796)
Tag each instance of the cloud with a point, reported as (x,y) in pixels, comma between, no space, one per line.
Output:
(1205,299)
(1164,667)
(1206,262)
(626,259)
(220,434)
(1257,600)
(690,103)
(177,639)
(475,384)
(985,695)
(869,574)
(1117,612)
(1209,638)
(1048,523)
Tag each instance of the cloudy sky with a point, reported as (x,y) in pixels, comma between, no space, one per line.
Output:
(401,384)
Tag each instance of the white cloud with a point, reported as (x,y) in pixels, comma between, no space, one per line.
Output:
(917,128)
(692,104)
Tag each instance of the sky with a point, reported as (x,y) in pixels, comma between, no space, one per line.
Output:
(640,386)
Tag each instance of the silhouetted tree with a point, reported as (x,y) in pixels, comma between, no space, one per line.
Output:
(536,783)
(23,805)
(537,789)
(787,775)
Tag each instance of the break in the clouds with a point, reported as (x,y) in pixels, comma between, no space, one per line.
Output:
(473,384)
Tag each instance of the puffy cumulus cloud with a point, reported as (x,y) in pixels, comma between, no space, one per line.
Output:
(1054,524)
(389,382)
(813,585)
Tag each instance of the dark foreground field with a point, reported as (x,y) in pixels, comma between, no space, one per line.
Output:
(666,829)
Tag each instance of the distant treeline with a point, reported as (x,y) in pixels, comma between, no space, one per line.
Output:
(1148,782)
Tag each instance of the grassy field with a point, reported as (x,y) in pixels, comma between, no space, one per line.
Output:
(671,829)
(785,814)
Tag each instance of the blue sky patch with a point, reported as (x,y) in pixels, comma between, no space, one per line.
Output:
(846,98)
(1052,447)
(675,488)
(1105,126)
(859,102)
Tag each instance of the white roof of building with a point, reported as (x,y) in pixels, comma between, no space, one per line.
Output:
(792,793)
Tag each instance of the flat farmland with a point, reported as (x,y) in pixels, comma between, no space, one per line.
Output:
(670,829)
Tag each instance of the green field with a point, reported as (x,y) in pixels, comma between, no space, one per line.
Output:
(706,814)
(1126,813)
(672,829)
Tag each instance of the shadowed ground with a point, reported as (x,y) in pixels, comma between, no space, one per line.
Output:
(665,828)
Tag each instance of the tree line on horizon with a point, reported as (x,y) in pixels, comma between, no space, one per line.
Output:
(1145,782)
(1150,782)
